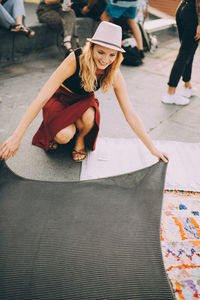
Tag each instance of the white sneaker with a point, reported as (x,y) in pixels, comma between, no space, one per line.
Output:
(189,92)
(175,99)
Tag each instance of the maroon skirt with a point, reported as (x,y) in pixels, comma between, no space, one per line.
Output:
(63,109)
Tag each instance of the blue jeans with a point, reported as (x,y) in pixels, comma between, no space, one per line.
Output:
(9,11)
(186,19)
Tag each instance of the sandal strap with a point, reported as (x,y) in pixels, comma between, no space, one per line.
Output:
(26,30)
(53,145)
(69,43)
(81,152)
(66,42)
(14,26)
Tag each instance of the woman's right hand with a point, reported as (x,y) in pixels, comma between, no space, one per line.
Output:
(10,147)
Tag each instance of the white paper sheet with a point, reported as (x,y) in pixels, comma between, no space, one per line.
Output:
(117,156)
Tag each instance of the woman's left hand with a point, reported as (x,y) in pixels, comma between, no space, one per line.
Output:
(160,155)
(197,36)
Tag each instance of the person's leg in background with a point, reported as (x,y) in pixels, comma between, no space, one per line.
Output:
(182,67)
(105,17)
(137,34)
(61,21)
(69,29)
(189,90)
(6,20)
(16,9)
(50,15)
(12,17)
(115,11)
(130,14)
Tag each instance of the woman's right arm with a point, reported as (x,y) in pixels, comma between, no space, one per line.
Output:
(64,71)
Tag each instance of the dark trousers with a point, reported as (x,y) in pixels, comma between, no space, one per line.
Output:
(186,19)
(57,19)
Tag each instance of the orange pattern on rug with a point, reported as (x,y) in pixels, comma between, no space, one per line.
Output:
(180,241)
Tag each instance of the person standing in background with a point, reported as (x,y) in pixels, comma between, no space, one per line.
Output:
(12,17)
(116,9)
(188,24)
(60,18)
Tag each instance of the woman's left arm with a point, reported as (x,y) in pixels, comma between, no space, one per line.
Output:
(131,116)
(197,36)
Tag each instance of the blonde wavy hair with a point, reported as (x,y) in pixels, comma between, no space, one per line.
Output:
(88,70)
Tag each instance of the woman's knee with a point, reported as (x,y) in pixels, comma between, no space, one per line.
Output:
(89,116)
(66,134)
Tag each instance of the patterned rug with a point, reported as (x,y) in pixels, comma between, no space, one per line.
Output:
(180,241)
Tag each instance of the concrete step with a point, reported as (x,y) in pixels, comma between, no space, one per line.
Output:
(15,47)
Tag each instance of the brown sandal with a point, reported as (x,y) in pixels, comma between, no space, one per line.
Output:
(66,49)
(53,145)
(23,29)
(81,152)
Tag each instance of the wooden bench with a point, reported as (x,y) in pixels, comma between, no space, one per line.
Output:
(159,24)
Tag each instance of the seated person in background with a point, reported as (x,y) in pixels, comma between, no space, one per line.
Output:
(116,9)
(61,18)
(12,17)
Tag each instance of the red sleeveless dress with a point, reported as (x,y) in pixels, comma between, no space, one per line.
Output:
(65,108)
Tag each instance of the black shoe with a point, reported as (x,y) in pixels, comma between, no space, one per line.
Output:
(141,54)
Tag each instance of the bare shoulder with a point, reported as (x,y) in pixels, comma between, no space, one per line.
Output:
(68,66)
(70,61)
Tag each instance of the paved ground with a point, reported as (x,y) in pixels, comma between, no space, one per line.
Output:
(21,83)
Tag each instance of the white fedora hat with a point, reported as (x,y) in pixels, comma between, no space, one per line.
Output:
(108,35)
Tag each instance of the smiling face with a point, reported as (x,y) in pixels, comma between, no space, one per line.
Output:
(103,56)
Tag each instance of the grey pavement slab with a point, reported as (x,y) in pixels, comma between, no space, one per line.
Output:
(20,83)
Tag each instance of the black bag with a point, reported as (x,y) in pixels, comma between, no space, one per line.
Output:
(132,56)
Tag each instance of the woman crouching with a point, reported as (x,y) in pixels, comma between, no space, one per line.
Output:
(70,109)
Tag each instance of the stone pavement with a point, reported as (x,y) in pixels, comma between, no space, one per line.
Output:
(20,83)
